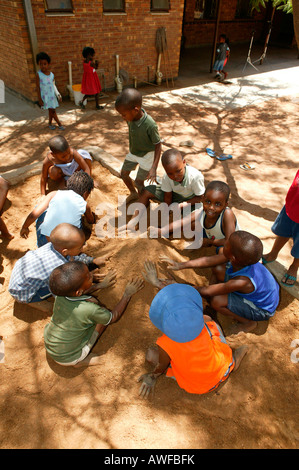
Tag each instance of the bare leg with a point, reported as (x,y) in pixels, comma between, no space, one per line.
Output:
(55,117)
(129,183)
(277,246)
(93,359)
(4,187)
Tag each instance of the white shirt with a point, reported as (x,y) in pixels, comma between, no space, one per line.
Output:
(192,184)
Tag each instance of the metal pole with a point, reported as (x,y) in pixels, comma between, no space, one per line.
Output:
(215,35)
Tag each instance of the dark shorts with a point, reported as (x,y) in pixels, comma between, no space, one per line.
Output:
(41,294)
(158,193)
(130,166)
(246,309)
(285,227)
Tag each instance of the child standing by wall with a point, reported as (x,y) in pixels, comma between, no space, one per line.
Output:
(47,91)
(90,85)
(222,54)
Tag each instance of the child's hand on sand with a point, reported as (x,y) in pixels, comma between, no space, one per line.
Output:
(133,286)
(24,232)
(150,274)
(101,260)
(173,265)
(109,280)
(147,387)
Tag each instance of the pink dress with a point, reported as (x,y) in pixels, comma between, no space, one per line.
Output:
(90,81)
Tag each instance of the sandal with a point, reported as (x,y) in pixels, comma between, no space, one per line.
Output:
(52,127)
(224,157)
(264,261)
(100,107)
(210,152)
(247,166)
(82,106)
(62,128)
(288,277)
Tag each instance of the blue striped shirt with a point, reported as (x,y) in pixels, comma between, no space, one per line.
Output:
(31,272)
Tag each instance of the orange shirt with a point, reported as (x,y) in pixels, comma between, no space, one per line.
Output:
(201,364)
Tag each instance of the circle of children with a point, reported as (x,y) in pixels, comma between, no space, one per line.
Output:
(192,348)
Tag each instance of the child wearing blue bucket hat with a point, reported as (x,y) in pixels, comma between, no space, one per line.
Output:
(192,348)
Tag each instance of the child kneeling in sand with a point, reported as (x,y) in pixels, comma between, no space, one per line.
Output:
(242,288)
(78,319)
(192,348)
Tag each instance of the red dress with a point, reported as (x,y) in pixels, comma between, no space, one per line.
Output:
(90,81)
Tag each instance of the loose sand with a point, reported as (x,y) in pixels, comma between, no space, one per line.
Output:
(44,405)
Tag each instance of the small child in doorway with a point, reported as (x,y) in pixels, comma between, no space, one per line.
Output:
(61,206)
(241,288)
(78,318)
(46,88)
(286,226)
(144,142)
(4,187)
(221,58)
(90,85)
(62,161)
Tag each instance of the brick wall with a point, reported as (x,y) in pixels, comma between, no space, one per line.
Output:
(131,35)
(201,32)
(16,65)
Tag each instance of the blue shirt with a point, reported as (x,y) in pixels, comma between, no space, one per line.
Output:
(266,290)
(31,272)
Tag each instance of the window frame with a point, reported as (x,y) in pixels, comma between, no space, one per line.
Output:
(58,10)
(115,10)
(154,9)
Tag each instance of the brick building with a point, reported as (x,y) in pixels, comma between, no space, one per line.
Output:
(126,28)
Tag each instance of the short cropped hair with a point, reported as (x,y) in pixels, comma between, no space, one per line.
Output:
(80,182)
(129,98)
(58,144)
(246,247)
(170,156)
(220,186)
(88,51)
(67,278)
(43,56)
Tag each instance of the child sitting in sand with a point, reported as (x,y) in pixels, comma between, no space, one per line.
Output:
(78,319)
(216,219)
(181,184)
(144,142)
(242,288)
(29,282)
(4,187)
(192,348)
(61,206)
(62,161)
(286,226)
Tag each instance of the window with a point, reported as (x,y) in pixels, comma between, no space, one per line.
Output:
(205,9)
(62,6)
(113,5)
(243,9)
(160,5)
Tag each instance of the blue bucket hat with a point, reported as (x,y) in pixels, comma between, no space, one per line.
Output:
(177,311)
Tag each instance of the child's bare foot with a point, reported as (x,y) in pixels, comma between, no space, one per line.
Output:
(239,353)
(7,235)
(90,360)
(268,258)
(242,328)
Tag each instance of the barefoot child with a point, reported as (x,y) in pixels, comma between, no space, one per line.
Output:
(286,226)
(29,282)
(62,161)
(144,142)
(46,89)
(61,206)
(192,348)
(78,318)
(4,187)
(242,288)
(90,85)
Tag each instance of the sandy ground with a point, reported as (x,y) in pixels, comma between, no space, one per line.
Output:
(46,406)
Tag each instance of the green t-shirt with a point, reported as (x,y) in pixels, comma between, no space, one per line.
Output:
(143,135)
(73,322)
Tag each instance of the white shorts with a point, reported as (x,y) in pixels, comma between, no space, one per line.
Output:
(85,350)
(145,162)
